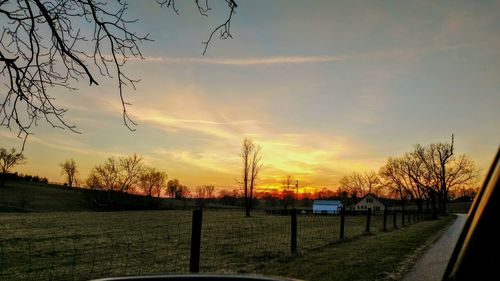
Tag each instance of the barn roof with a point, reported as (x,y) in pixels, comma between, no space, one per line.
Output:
(326,202)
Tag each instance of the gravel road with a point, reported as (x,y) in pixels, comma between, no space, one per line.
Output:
(431,266)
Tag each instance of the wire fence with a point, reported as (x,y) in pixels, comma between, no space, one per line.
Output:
(86,247)
(234,243)
(44,250)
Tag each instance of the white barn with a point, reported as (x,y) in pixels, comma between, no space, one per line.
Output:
(326,206)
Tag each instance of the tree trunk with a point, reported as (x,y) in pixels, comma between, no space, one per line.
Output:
(439,202)
(433,202)
(445,200)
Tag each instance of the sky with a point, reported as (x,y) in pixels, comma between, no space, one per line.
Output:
(325,87)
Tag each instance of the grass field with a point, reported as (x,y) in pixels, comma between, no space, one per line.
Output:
(82,245)
(79,244)
(385,256)
(18,196)
(22,196)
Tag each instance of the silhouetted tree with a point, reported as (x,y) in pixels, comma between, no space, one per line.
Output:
(204,193)
(429,173)
(445,169)
(177,190)
(120,175)
(93,181)
(325,193)
(182,192)
(9,159)
(287,191)
(70,170)
(172,187)
(42,47)
(397,181)
(152,181)
(250,155)
(229,197)
(360,184)
(270,200)
(131,171)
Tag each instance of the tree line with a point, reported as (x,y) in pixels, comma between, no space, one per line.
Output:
(425,175)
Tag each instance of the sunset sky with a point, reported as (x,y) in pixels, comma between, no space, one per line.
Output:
(326,87)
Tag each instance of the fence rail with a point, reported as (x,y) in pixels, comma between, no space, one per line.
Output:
(45,250)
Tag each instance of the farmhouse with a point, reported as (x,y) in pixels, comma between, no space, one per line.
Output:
(326,206)
(369,201)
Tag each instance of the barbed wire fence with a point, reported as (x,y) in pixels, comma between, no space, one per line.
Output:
(46,250)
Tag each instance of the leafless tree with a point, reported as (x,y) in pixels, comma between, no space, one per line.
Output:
(246,151)
(105,176)
(352,184)
(445,169)
(287,191)
(9,159)
(93,181)
(43,46)
(372,182)
(120,175)
(461,173)
(70,170)
(251,160)
(359,184)
(172,187)
(131,170)
(152,181)
(229,197)
(256,165)
(396,179)
(429,173)
(204,193)
(177,190)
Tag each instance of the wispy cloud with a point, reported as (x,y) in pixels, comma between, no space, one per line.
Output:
(211,128)
(249,60)
(299,59)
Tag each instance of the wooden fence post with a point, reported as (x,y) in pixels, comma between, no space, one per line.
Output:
(194,262)
(368,218)
(293,229)
(384,227)
(394,217)
(342,222)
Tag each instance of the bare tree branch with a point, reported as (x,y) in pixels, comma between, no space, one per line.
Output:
(53,44)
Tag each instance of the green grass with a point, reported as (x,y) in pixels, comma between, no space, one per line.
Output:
(376,257)
(84,245)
